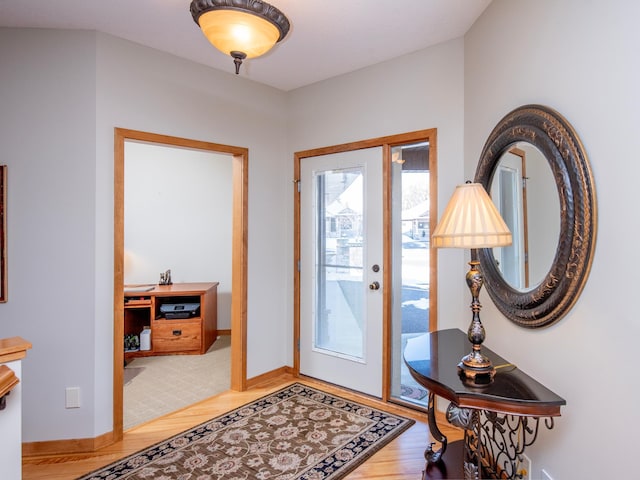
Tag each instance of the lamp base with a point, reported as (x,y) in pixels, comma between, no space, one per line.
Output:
(476,369)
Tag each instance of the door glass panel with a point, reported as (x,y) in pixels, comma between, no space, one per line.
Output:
(340,287)
(410,260)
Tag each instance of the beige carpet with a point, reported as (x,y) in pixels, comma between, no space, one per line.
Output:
(163,384)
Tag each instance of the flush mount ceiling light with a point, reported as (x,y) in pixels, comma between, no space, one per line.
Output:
(240,28)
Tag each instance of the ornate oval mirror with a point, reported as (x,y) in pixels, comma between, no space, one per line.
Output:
(537,172)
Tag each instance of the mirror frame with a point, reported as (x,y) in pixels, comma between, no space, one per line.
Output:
(547,130)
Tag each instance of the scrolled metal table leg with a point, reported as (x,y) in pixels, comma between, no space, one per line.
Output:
(430,455)
(460,417)
(465,418)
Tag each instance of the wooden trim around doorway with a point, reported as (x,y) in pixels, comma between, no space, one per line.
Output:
(239,258)
(386,143)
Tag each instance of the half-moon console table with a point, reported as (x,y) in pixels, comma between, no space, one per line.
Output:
(499,419)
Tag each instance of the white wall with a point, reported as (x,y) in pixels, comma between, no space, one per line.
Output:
(11,428)
(143,89)
(543,216)
(178,216)
(129,86)
(47,133)
(580,58)
(414,92)
(62,95)
(61,102)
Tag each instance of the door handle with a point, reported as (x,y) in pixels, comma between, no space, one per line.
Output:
(374,286)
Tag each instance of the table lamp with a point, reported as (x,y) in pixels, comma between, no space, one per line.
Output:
(471,220)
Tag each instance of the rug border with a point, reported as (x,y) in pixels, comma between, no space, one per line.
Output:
(346,469)
(356,462)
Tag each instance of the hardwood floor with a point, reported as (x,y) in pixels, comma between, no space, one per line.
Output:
(401,459)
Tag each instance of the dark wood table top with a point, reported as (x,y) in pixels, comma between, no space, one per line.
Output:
(433,360)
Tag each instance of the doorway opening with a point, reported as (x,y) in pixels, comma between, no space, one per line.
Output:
(239,233)
(417,151)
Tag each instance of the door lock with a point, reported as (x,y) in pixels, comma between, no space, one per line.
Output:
(374,286)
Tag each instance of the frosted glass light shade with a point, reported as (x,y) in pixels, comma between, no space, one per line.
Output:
(470,220)
(236,31)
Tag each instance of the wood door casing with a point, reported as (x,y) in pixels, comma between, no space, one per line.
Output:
(386,143)
(240,164)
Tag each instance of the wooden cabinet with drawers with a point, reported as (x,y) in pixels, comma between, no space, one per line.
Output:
(172,330)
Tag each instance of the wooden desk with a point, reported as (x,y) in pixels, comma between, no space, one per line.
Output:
(193,335)
(513,401)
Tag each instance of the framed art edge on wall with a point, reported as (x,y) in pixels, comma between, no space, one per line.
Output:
(3,233)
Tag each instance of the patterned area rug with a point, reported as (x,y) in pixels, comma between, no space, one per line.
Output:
(413,393)
(296,433)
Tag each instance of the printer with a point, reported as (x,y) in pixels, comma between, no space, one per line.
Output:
(172,311)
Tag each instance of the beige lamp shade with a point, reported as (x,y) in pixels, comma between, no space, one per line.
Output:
(237,31)
(470,220)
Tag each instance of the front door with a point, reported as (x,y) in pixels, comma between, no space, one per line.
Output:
(341,258)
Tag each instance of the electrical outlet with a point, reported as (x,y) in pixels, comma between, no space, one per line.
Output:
(544,475)
(524,467)
(72,397)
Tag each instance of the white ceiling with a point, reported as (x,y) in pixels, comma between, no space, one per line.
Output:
(327,37)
